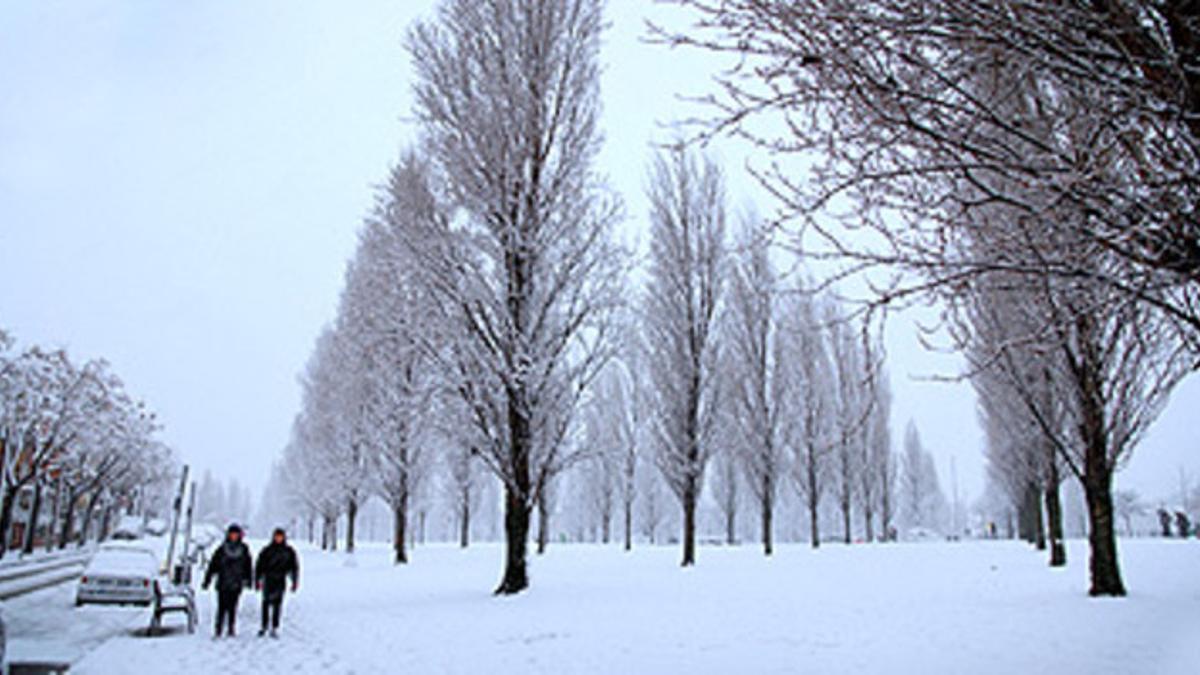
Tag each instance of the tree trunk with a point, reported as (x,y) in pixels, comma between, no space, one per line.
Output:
(464,519)
(6,511)
(885,508)
(767,536)
(88,513)
(399,516)
(106,523)
(68,523)
(55,515)
(730,527)
(628,524)
(689,524)
(1058,550)
(814,531)
(34,513)
(846,533)
(517,491)
(351,515)
(1039,523)
(1104,566)
(867,525)
(516,534)
(1029,514)
(543,532)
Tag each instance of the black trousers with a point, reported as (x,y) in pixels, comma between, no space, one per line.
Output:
(272,605)
(227,604)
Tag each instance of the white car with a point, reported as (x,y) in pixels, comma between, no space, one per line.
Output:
(156,527)
(119,574)
(129,528)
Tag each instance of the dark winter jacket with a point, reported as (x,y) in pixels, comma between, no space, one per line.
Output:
(230,564)
(276,562)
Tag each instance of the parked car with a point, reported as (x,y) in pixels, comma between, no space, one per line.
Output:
(156,527)
(119,574)
(921,534)
(128,528)
(205,536)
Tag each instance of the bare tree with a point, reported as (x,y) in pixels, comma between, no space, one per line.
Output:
(760,376)
(919,486)
(726,490)
(913,115)
(687,248)
(815,431)
(1128,505)
(1052,145)
(1014,388)
(651,505)
(877,480)
(507,100)
(618,419)
(852,404)
(464,481)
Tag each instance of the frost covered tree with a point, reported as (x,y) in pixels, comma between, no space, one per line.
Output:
(616,412)
(1107,366)
(815,435)
(507,96)
(878,479)
(599,483)
(383,319)
(924,502)
(686,276)
(1128,505)
(726,489)
(852,401)
(1052,145)
(1011,378)
(652,501)
(911,115)
(761,376)
(73,437)
(463,486)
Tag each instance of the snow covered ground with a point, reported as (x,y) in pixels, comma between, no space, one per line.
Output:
(975,607)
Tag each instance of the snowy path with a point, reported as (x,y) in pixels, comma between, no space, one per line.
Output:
(934,608)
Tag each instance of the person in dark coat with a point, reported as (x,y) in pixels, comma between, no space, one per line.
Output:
(231,565)
(276,562)
(1164,519)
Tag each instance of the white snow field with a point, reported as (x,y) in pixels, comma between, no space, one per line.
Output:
(973,607)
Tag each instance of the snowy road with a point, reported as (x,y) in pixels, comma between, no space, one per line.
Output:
(930,608)
(45,625)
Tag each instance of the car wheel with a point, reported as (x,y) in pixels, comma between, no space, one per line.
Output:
(78,602)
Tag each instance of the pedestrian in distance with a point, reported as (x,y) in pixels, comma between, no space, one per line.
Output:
(231,566)
(276,562)
(1183,525)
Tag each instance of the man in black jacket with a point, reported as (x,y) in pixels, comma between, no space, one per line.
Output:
(230,564)
(276,562)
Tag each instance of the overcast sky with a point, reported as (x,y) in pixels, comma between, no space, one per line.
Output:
(181,182)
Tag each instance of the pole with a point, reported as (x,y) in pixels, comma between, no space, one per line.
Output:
(178,506)
(185,557)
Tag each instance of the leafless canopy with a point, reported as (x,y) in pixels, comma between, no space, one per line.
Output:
(913,116)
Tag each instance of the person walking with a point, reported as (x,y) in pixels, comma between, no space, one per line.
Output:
(231,565)
(276,562)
